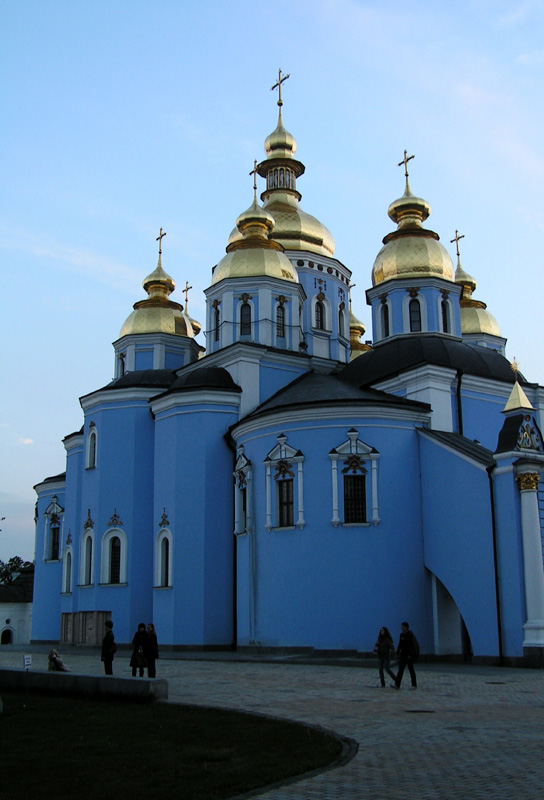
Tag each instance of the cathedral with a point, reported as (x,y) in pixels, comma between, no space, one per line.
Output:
(292,486)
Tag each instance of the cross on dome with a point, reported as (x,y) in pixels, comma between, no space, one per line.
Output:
(278,84)
(159,240)
(456,239)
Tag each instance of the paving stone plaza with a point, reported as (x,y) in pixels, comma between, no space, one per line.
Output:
(467,732)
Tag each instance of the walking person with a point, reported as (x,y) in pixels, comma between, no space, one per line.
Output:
(151,650)
(383,648)
(407,651)
(139,643)
(109,648)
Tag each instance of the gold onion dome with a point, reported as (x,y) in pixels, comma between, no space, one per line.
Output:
(159,314)
(475,318)
(411,251)
(356,331)
(253,253)
(294,229)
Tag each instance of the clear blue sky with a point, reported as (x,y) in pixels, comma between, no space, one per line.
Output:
(122,117)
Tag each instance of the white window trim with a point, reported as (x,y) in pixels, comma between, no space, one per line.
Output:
(105,556)
(379,320)
(89,534)
(243,465)
(91,435)
(283,452)
(354,446)
(251,304)
(67,552)
(448,302)
(327,315)
(406,313)
(342,312)
(52,508)
(164,533)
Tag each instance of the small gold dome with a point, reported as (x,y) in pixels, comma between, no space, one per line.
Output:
(411,251)
(475,318)
(280,143)
(158,314)
(252,253)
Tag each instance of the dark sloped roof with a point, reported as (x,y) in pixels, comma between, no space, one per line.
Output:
(148,378)
(315,389)
(22,588)
(205,378)
(463,445)
(395,356)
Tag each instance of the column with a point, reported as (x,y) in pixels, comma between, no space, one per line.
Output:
(532,560)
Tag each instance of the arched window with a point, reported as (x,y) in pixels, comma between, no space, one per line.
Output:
(446,327)
(245,320)
(385,320)
(54,531)
(280,322)
(319,316)
(87,560)
(67,578)
(341,323)
(91,448)
(415,316)
(216,324)
(165,562)
(163,559)
(115,560)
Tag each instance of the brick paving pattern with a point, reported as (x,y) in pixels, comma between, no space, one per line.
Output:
(466,733)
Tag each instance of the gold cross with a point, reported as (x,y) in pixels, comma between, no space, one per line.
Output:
(254,173)
(186,292)
(278,86)
(456,240)
(159,240)
(405,161)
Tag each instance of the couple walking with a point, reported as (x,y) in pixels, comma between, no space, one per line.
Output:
(407,652)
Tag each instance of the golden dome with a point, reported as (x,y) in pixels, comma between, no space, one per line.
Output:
(158,314)
(253,254)
(356,331)
(411,251)
(294,229)
(474,315)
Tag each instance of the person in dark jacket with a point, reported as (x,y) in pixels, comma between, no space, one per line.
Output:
(383,648)
(108,648)
(151,650)
(405,653)
(139,644)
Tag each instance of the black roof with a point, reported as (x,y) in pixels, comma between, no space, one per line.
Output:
(316,388)
(148,378)
(394,356)
(463,445)
(205,378)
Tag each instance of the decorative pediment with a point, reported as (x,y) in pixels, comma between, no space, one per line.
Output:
(54,510)
(242,467)
(115,520)
(529,437)
(283,452)
(88,522)
(353,446)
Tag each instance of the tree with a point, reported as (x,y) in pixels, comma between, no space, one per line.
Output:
(9,570)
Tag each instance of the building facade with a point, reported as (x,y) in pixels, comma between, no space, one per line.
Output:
(289,486)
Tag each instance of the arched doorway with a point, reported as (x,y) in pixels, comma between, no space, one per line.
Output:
(7,636)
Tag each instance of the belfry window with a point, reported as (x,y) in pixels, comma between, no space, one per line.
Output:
(216,324)
(245,320)
(280,322)
(385,320)
(415,316)
(445,316)
(341,323)
(319,316)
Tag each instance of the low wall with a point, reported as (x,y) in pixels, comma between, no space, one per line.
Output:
(141,689)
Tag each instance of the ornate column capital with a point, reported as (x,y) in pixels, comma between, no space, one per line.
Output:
(528,481)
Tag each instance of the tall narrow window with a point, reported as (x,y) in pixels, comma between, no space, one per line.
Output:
(91,448)
(88,555)
(285,503)
(341,323)
(319,316)
(115,560)
(280,322)
(385,320)
(415,316)
(165,562)
(216,324)
(68,573)
(445,316)
(245,320)
(354,498)
(55,538)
